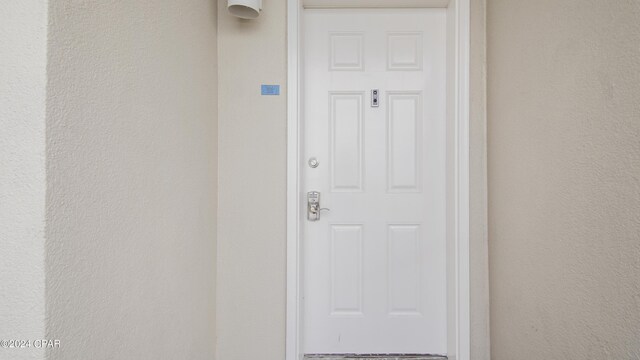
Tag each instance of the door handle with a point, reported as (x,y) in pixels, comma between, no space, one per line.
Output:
(313,206)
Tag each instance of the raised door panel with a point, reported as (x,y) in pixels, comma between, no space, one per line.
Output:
(346,140)
(404,125)
(346,270)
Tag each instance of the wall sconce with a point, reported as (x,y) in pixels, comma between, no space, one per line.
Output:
(245,9)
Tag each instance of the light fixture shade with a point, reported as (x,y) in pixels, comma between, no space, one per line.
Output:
(246,9)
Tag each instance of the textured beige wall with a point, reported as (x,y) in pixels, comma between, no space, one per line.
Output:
(131,179)
(252,186)
(564,170)
(23,61)
(479,259)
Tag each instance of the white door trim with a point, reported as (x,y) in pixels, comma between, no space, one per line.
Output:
(458,179)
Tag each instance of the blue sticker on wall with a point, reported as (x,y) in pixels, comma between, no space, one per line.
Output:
(270,89)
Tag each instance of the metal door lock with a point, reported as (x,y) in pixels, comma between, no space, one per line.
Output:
(313,206)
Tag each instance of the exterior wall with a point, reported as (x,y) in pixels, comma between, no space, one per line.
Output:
(131,179)
(478,241)
(23,60)
(564,170)
(252,186)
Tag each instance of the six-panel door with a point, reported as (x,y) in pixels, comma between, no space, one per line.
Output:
(374,266)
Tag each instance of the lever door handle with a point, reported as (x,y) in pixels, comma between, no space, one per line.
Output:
(313,206)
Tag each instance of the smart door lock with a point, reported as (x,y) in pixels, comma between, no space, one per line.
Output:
(313,206)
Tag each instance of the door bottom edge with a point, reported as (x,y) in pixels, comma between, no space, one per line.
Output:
(375,356)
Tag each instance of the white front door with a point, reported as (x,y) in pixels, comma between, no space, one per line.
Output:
(375,264)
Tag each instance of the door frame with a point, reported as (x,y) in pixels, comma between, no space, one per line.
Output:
(458,208)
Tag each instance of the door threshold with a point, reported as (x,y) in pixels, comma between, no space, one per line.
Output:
(375,356)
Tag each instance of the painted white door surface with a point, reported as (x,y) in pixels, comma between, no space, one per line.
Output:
(374,265)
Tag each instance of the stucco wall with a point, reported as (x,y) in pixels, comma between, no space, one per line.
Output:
(252,186)
(564,170)
(131,179)
(23,59)
(478,241)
